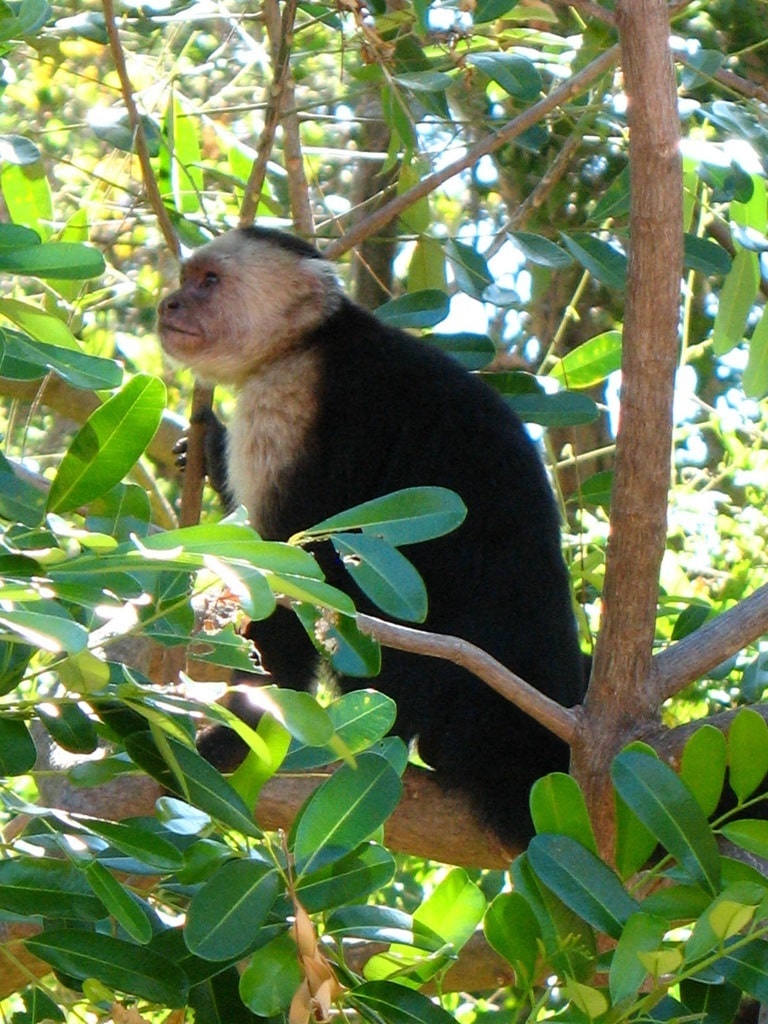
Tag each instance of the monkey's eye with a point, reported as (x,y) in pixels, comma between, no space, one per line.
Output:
(211,278)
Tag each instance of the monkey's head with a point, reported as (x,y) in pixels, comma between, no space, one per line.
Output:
(244,300)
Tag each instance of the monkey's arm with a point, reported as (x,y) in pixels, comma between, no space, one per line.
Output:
(215,452)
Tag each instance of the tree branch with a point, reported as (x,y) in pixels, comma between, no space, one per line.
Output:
(553,716)
(618,698)
(140,139)
(271,117)
(715,641)
(395,207)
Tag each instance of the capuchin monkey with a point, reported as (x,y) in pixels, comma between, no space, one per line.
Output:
(333,409)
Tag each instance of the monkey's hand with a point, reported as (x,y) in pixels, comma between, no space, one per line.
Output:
(214,452)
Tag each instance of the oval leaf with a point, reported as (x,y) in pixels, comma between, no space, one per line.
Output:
(703,767)
(582,881)
(747,753)
(225,916)
(512,929)
(125,909)
(403,517)
(557,805)
(386,576)
(667,808)
(604,263)
(416,309)
(272,977)
(67,261)
(345,811)
(590,363)
(120,965)
(108,444)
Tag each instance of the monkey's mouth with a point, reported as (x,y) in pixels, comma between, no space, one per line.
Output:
(173,336)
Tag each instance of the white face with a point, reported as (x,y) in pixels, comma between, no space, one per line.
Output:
(242,303)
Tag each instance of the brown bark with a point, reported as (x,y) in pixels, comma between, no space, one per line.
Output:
(619,697)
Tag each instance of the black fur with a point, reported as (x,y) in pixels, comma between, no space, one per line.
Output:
(394,412)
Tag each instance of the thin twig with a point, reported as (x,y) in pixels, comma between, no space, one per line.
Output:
(553,716)
(140,139)
(701,651)
(271,117)
(298,188)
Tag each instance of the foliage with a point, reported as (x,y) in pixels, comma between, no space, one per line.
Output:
(526,242)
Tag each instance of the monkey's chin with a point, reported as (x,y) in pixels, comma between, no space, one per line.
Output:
(179,343)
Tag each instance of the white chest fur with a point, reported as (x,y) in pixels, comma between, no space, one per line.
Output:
(273,418)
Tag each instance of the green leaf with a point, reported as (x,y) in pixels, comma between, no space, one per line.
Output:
(699,68)
(396,1004)
(749,834)
(712,1004)
(50,630)
(472,351)
(146,847)
(453,909)
(416,309)
(668,809)
(469,267)
(424,81)
(404,517)
(225,916)
(568,941)
(16,236)
(512,930)
(490,10)
(74,367)
(614,202)
(582,881)
(386,576)
(540,250)
(737,297)
(705,256)
(747,967)
(344,811)
(747,753)
(563,409)
(181,156)
(691,618)
(359,718)
(426,268)
(755,378)
(205,788)
(515,74)
(114,962)
(27,195)
(642,933)
(602,260)
(51,888)
(590,363)
(114,127)
(364,871)
(68,261)
(557,805)
(17,749)
(596,489)
(703,765)
(352,652)
(69,727)
(234,541)
(119,902)
(108,444)
(382,924)
(272,977)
